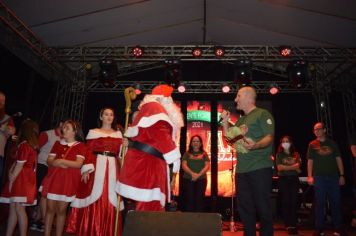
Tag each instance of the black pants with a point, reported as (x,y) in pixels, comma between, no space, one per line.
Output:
(194,192)
(254,196)
(288,189)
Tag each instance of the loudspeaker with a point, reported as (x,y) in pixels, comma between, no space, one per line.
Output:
(139,223)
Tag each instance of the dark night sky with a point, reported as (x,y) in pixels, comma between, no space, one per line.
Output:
(294,113)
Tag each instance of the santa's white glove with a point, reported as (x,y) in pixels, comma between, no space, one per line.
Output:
(176,166)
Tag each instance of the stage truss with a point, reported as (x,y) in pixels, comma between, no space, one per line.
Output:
(333,68)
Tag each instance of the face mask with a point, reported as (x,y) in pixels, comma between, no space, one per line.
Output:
(286,146)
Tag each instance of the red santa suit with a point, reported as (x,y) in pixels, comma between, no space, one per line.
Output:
(23,189)
(62,184)
(94,208)
(145,177)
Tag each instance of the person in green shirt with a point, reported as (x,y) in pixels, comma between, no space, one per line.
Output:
(254,167)
(195,163)
(326,173)
(288,166)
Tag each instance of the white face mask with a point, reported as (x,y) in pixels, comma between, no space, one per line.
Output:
(286,146)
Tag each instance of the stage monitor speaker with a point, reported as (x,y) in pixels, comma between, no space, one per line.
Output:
(140,223)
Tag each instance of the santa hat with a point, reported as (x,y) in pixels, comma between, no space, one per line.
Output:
(162,89)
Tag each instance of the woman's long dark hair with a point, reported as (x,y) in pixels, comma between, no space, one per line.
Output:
(190,149)
(291,148)
(29,132)
(114,122)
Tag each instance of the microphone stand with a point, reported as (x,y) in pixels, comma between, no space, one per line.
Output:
(232,221)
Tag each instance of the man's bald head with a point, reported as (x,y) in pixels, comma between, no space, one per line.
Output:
(249,92)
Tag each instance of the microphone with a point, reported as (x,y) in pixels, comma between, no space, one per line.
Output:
(227,109)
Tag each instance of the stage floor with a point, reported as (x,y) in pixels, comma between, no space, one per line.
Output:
(279,231)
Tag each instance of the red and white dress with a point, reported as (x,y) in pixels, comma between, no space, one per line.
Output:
(24,187)
(62,184)
(94,209)
(144,177)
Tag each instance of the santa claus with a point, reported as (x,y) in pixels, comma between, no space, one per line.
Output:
(154,132)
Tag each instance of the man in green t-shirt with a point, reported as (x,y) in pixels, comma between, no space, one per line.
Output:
(326,173)
(254,164)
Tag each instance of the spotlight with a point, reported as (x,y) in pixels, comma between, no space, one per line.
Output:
(181,88)
(173,72)
(197,52)
(243,72)
(274,89)
(108,72)
(219,51)
(88,66)
(137,51)
(225,88)
(298,73)
(137,89)
(285,51)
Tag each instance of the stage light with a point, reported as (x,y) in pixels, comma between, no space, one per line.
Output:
(137,88)
(225,88)
(285,51)
(298,73)
(137,51)
(181,88)
(108,72)
(173,72)
(243,72)
(197,52)
(88,66)
(219,51)
(274,89)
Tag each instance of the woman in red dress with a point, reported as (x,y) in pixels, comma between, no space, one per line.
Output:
(94,209)
(20,190)
(60,185)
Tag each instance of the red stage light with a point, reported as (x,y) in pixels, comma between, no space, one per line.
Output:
(225,88)
(285,51)
(137,51)
(197,52)
(181,88)
(219,52)
(274,89)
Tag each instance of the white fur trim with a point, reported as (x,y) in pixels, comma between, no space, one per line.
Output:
(147,121)
(21,161)
(22,200)
(87,167)
(99,183)
(140,194)
(172,156)
(95,133)
(58,197)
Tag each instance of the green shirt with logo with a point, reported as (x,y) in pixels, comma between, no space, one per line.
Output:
(283,158)
(324,156)
(195,162)
(259,123)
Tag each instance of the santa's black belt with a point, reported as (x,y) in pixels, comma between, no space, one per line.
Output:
(146,148)
(105,153)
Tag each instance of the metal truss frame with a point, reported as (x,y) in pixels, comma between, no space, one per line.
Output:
(192,87)
(66,65)
(21,41)
(349,101)
(257,53)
